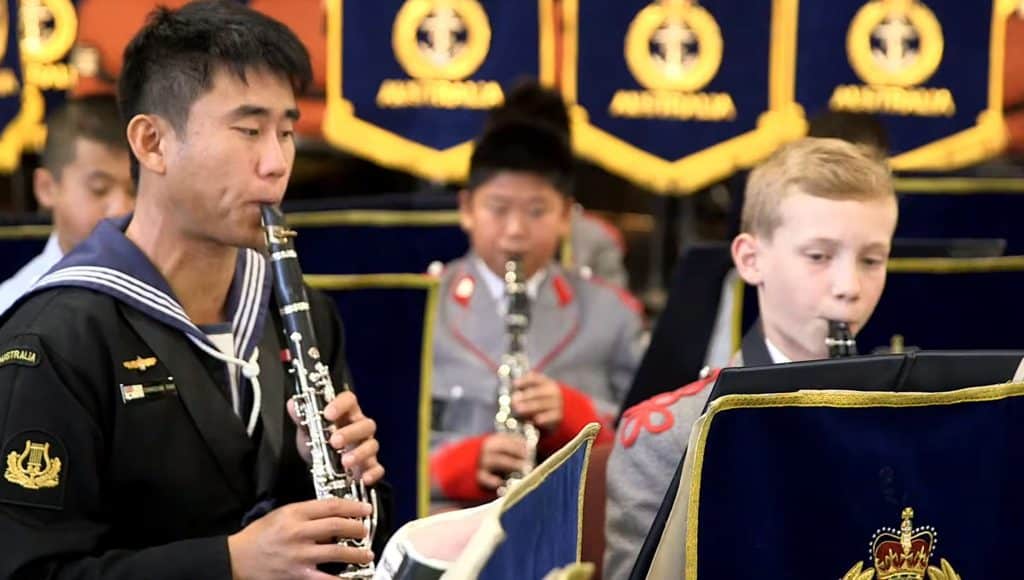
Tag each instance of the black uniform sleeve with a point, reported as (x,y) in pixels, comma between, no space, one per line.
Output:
(52,504)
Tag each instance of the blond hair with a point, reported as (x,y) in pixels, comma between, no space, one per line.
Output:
(828,168)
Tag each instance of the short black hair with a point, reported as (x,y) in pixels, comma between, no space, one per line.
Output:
(171,62)
(94,118)
(522,145)
(857,128)
(531,100)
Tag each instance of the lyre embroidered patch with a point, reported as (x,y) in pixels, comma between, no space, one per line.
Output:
(35,470)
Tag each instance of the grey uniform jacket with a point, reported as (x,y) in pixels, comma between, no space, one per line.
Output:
(598,246)
(582,333)
(649,444)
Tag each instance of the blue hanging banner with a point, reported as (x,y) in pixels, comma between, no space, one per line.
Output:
(678,94)
(931,70)
(415,98)
(12,121)
(46,36)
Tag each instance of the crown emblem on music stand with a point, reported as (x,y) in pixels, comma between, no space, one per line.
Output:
(903,554)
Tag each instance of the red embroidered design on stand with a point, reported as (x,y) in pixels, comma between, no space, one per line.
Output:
(654,414)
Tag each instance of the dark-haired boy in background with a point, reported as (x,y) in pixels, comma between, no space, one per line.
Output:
(584,337)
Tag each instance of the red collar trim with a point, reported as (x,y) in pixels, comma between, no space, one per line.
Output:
(563,290)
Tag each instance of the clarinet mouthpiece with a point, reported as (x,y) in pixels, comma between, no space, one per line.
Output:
(840,341)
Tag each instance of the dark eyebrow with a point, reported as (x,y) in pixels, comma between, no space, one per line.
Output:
(244,111)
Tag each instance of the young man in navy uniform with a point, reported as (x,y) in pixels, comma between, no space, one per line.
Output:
(143,395)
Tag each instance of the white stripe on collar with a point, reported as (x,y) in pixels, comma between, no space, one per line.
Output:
(250,300)
(148,297)
(121,284)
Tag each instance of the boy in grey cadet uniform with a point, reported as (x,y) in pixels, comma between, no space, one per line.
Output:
(584,338)
(818,221)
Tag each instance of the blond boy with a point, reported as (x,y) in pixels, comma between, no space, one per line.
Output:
(817,226)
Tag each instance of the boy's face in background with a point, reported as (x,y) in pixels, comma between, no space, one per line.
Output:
(96,184)
(515,213)
(825,261)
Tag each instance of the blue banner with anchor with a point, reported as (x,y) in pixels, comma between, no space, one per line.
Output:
(414,98)
(12,122)
(47,35)
(677,94)
(931,70)
(36,37)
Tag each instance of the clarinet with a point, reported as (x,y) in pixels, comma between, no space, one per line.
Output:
(514,365)
(840,341)
(314,388)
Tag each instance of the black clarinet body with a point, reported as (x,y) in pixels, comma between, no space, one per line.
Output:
(314,388)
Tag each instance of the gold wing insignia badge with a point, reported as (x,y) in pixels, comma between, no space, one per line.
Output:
(139,364)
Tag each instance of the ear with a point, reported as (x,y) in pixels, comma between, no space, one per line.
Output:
(148,136)
(746,251)
(45,187)
(466,210)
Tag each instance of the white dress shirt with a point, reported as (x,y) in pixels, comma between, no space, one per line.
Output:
(15,286)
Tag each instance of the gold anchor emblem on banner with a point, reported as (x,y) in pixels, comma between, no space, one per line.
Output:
(48,29)
(33,468)
(895,42)
(673,49)
(686,43)
(441,39)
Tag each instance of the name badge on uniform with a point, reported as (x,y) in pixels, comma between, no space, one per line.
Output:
(151,390)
